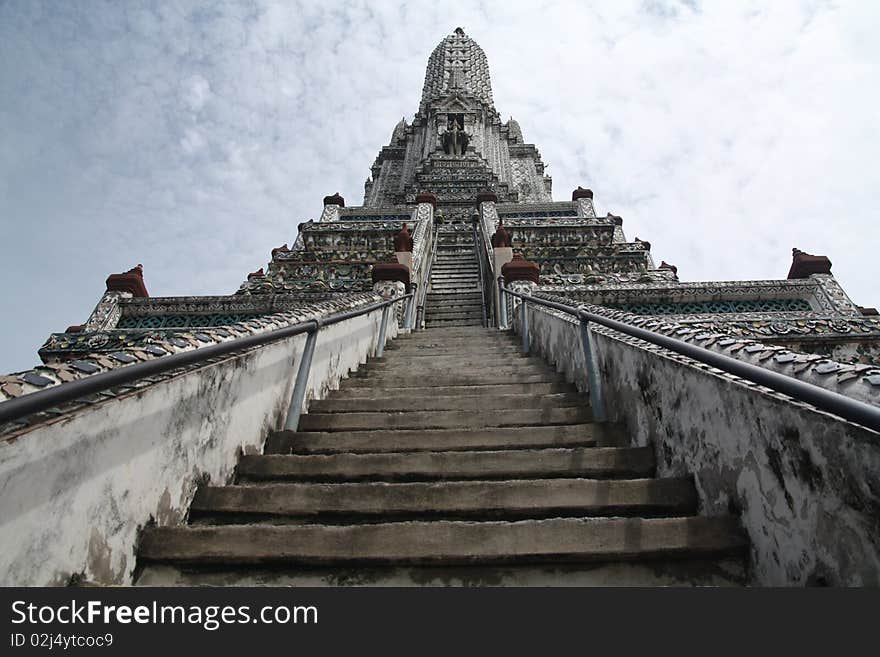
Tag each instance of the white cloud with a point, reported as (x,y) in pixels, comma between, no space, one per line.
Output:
(194,140)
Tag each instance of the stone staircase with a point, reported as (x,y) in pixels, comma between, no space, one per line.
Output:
(453,297)
(455,459)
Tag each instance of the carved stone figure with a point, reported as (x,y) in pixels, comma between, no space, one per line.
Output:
(455,139)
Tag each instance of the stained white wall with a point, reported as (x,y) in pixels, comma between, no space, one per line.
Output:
(75,493)
(805,484)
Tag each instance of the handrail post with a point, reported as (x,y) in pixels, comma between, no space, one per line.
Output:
(380,347)
(411,302)
(524,325)
(302,378)
(597,398)
(502,304)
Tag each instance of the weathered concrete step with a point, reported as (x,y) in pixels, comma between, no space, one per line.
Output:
(434,339)
(454,363)
(379,380)
(449,542)
(440,277)
(439,323)
(466,369)
(452,295)
(495,354)
(469,299)
(512,498)
(405,350)
(343,404)
(457,298)
(448,316)
(453,307)
(679,572)
(443,419)
(492,438)
(593,462)
(349,392)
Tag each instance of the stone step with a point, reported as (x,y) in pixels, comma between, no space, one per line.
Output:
(439,323)
(350,392)
(452,275)
(431,297)
(466,289)
(455,364)
(459,342)
(454,306)
(524,366)
(453,315)
(344,404)
(590,462)
(438,335)
(678,571)
(490,438)
(511,498)
(415,380)
(447,542)
(407,352)
(515,417)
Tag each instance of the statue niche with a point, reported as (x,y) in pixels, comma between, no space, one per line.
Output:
(455,139)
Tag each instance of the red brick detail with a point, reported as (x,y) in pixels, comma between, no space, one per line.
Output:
(130,281)
(580,192)
(403,240)
(666,265)
(256,274)
(78,328)
(391,271)
(804,264)
(335,199)
(427,197)
(482,197)
(867,312)
(520,270)
(500,238)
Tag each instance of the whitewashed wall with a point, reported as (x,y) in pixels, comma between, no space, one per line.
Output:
(74,494)
(805,483)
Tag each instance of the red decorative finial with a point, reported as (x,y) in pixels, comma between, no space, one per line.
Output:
(580,192)
(519,269)
(403,240)
(335,199)
(427,197)
(131,281)
(500,238)
(804,265)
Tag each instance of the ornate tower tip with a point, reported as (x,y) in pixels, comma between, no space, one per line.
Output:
(459,32)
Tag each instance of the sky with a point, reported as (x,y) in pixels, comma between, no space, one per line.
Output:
(194,137)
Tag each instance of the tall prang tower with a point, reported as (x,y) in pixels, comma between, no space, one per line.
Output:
(457,144)
(459,373)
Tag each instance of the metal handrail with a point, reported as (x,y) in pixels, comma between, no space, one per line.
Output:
(420,303)
(42,400)
(850,409)
(479,254)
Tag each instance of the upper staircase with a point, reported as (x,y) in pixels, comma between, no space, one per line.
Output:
(453,297)
(453,459)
